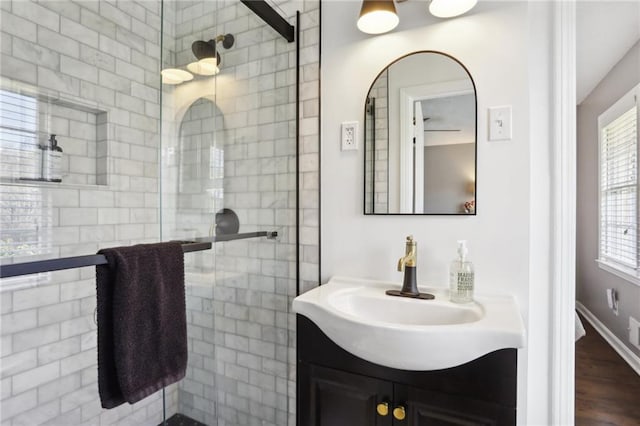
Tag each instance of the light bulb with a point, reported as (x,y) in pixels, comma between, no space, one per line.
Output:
(175,76)
(204,67)
(209,61)
(168,80)
(450,8)
(378,22)
(377,16)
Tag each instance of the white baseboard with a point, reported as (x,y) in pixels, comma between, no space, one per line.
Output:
(631,358)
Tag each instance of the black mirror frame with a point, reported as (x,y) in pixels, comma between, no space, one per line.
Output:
(475,91)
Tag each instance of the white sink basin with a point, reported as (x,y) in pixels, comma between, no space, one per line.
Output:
(410,334)
(371,304)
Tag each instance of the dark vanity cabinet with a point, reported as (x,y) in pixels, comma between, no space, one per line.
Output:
(334,397)
(336,388)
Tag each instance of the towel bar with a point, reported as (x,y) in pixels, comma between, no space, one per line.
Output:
(48,265)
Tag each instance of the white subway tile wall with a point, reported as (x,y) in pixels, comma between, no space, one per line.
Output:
(88,69)
(241,333)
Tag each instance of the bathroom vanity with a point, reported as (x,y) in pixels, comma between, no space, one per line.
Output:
(367,358)
(337,388)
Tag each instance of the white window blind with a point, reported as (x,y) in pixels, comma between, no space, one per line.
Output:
(25,221)
(25,215)
(19,153)
(618,129)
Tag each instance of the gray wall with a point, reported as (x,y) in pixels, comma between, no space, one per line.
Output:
(446,177)
(591,280)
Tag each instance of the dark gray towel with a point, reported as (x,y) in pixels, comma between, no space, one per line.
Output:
(142,327)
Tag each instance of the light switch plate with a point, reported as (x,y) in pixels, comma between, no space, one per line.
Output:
(500,123)
(349,136)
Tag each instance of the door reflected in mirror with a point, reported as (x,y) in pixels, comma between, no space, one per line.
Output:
(420,138)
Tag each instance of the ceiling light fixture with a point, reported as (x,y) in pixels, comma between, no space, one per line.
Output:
(450,8)
(209,59)
(377,16)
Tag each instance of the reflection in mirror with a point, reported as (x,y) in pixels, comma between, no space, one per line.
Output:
(420,138)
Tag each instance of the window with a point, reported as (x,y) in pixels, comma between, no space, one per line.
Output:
(24,213)
(618,135)
(18,135)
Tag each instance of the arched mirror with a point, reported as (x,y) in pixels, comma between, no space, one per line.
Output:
(420,131)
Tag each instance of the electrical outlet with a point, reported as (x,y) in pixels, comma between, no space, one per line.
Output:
(349,138)
(612,300)
(634,332)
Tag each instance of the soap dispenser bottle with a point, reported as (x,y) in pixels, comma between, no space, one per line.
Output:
(461,276)
(51,160)
(55,154)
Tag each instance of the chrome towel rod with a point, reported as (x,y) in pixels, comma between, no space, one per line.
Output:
(48,265)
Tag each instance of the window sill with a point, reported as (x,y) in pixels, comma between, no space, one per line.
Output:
(51,184)
(627,274)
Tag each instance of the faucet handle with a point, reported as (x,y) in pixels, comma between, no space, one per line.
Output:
(410,242)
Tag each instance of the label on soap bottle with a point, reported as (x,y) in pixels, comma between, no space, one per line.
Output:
(465,281)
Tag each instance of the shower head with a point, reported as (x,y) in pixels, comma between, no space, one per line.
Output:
(204,49)
(208,57)
(227,40)
(208,60)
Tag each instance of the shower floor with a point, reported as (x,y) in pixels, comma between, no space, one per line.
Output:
(180,420)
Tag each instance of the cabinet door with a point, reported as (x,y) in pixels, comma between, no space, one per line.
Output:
(430,408)
(329,397)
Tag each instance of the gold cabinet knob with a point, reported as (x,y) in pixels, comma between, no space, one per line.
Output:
(383,408)
(399,413)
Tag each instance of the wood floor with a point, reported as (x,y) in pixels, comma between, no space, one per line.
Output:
(607,389)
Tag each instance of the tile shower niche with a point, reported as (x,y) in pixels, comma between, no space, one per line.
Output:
(27,122)
(40,218)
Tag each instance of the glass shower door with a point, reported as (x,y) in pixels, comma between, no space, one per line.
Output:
(228,169)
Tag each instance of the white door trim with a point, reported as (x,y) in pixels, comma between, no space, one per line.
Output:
(418,152)
(563,237)
(407,97)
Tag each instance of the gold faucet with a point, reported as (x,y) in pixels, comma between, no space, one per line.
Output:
(410,257)
(407,264)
